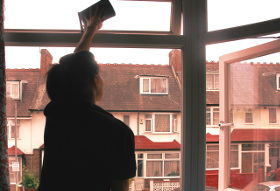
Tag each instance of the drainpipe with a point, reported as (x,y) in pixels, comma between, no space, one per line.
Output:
(138,122)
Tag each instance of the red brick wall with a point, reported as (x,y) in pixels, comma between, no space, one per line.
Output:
(46,60)
(237,180)
(33,161)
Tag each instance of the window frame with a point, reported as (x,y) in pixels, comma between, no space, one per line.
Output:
(141,86)
(214,81)
(163,159)
(11,83)
(153,119)
(192,43)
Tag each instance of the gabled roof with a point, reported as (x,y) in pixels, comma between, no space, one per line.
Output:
(143,143)
(11,151)
(249,135)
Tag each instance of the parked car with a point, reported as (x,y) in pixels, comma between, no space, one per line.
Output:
(267,186)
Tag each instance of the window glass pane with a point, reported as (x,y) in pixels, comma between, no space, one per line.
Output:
(171,155)
(129,15)
(209,81)
(146,86)
(148,126)
(158,85)
(154,156)
(154,169)
(171,168)
(162,123)
(272,115)
(222,14)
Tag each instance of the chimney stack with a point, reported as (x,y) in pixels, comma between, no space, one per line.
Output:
(175,61)
(46,61)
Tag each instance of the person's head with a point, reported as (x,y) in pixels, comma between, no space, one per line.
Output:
(75,78)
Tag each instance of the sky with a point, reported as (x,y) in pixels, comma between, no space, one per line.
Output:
(62,14)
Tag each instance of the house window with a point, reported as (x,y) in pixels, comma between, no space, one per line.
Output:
(12,130)
(212,156)
(163,165)
(154,85)
(212,81)
(174,123)
(140,158)
(126,119)
(212,116)
(13,89)
(252,157)
(160,123)
(249,116)
(272,115)
(148,122)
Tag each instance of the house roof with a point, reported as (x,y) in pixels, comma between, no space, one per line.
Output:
(32,78)
(248,135)
(122,88)
(11,151)
(144,143)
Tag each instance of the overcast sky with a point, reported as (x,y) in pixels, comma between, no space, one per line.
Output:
(62,14)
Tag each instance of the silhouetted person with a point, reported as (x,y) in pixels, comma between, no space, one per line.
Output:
(85,147)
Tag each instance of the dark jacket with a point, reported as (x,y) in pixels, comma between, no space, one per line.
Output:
(85,148)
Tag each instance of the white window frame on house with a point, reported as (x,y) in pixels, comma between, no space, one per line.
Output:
(252,151)
(211,110)
(213,83)
(150,85)
(152,118)
(192,43)
(224,62)
(10,125)
(10,86)
(269,109)
(247,117)
(162,159)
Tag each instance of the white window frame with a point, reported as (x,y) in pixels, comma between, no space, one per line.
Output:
(163,159)
(224,138)
(153,119)
(10,84)
(214,81)
(11,123)
(150,82)
(192,43)
(245,117)
(212,115)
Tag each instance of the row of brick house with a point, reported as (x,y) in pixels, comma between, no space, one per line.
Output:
(148,99)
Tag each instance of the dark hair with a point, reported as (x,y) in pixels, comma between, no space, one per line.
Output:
(73,78)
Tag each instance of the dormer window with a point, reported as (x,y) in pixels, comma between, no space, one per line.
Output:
(212,81)
(13,89)
(153,85)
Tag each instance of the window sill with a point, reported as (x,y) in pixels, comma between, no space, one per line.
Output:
(249,123)
(273,123)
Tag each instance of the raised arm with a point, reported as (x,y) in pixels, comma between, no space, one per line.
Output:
(94,23)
